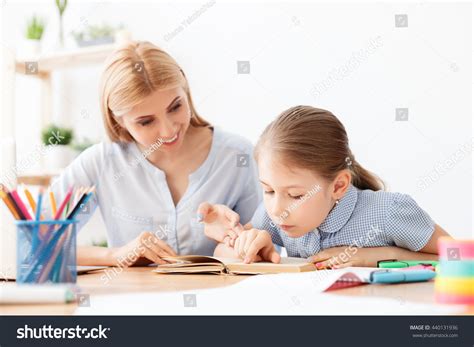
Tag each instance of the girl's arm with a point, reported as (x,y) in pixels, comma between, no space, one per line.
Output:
(432,245)
(345,256)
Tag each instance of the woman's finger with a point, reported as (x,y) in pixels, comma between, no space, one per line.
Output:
(168,250)
(232,216)
(203,211)
(150,254)
(154,247)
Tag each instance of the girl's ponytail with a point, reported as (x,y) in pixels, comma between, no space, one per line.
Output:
(363,178)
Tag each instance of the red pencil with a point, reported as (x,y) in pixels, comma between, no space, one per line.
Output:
(20,204)
(63,204)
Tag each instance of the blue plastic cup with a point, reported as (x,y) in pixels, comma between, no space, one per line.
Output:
(46,251)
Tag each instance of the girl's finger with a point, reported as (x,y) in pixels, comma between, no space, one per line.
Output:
(232,234)
(319,257)
(240,243)
(252,235)
(258,243)
(326,264)
(343,265)
(236,245)
(238,229)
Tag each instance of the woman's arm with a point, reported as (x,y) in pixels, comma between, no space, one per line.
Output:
(146,248)
(93,255)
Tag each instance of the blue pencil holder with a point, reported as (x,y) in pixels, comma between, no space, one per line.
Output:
(46,251)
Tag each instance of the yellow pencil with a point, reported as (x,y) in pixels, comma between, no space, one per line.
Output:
(30,200)
(52,201)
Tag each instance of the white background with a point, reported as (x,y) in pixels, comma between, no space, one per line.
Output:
(292,48)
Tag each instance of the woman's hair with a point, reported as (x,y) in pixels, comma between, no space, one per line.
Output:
(132,72)
(315,139)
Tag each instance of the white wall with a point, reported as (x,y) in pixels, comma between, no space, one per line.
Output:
(301,54)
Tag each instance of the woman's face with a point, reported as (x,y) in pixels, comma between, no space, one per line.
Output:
(160,120)
(297,200)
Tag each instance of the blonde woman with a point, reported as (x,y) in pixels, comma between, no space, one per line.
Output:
(162,161)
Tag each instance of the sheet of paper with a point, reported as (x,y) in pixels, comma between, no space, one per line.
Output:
(282,294)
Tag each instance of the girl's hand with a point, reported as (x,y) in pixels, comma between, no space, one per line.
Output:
(345,256)
(340,257)
(256,245)
(220,223)
(147,246)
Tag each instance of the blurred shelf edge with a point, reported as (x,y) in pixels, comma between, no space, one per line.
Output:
(43,179)
(65,59)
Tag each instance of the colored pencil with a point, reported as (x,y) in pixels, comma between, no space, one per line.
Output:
(63,204)
(52,200)
(30,199)
(9,204)
(20,204)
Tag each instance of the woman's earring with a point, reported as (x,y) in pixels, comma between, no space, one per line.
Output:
(337,201)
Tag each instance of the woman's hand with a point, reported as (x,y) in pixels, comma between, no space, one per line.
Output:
(345,256)
(220,223)
(255,245)
(147,245)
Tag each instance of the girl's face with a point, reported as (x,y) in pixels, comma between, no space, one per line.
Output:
(161,119)
(297,200)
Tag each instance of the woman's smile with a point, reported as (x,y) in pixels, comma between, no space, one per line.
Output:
(170,141)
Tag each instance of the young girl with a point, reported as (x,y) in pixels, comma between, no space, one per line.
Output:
(320,203)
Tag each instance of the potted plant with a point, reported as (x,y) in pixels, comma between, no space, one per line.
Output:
(96,35)
(59,154)
(34,33)
(61,5)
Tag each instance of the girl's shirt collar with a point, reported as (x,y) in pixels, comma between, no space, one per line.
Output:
(341,213)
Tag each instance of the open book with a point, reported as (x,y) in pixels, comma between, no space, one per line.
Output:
(194,264)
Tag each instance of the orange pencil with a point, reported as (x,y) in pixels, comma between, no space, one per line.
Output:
(53,202)
(30,199)
(7,202)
